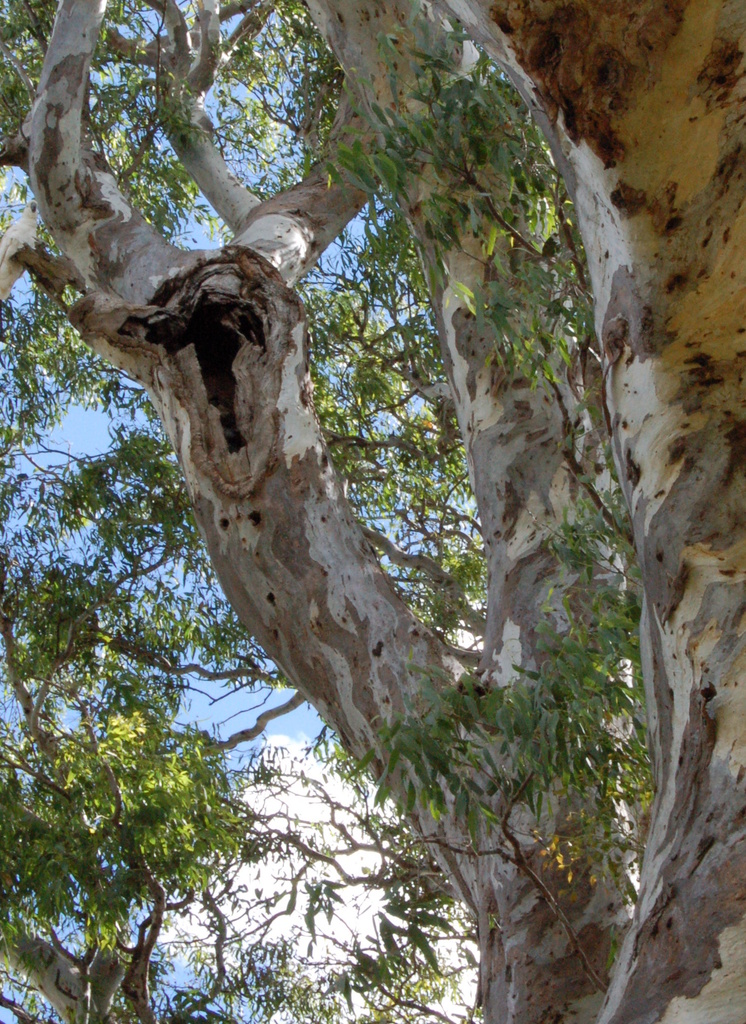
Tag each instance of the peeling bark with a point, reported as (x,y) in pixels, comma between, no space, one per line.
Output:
(647,101)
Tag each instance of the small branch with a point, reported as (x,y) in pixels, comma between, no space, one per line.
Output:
(135,50)
(521,862)
(28,705)
(54,273)
(116,818)
(14,151)
(19,69)
(577,470)
(412,1004)
(18,1011)
(245,735)
(428,566)
(193,668)
(135,982)
(220,941)
(248,28)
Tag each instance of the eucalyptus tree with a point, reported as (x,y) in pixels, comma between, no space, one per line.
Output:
(525,754)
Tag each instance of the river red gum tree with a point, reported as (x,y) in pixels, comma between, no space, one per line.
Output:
(644,108)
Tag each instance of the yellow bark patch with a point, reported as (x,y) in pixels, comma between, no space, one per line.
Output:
(669,135)
(708,320)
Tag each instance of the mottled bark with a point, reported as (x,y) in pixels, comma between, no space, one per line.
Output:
(109,242)
(76,991)
(516,448)
(515,445)
(647,104)
(290,557)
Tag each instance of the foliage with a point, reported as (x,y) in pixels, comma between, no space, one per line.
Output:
(113,623)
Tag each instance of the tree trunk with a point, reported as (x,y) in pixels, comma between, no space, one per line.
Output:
(77,992)
(220,344)
(647,102)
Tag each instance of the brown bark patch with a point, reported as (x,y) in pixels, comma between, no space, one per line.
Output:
(628,200)
(589,67)
(719,73)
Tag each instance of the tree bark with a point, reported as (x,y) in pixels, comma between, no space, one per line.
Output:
(66,984)
(646,102)
(220,344)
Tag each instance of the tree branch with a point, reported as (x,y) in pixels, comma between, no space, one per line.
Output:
(14,151)
(110,243)
(135,983)
(293,228)
(19,69)
(62,979)
(431,568)
(245,735)
(53,273)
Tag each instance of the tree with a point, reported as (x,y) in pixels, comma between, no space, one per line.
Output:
(640,105)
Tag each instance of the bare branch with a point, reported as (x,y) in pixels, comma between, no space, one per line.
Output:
(245,735)
(17,1010)
(220,940)
(431,568)
(522,863)
(135,982)
(135,50)
(202,72)
(250,25)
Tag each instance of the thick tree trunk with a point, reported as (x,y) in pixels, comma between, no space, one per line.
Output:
(516,448)
(300,575)
(532,970)
(647,101)
(77,992)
